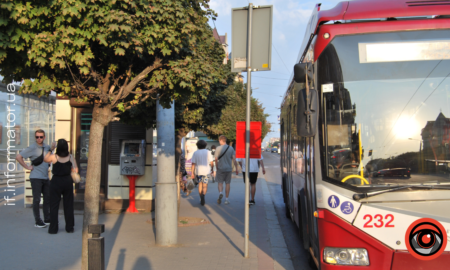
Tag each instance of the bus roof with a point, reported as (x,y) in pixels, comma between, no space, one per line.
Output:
(358,10)
(362,10)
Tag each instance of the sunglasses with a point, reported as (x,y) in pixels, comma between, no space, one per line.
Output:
(39,137)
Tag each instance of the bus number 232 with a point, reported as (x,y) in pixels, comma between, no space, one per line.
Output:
(378,221)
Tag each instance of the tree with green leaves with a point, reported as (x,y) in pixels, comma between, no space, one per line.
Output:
(192,112)
(234,111)
(114,54)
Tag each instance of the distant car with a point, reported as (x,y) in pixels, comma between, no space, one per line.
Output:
(274,150)
(340,155)
(267,149)
(394,172)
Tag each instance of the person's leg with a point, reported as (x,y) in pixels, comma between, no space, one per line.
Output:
(205,188)
(200,188)
(253,179)
(55,198)
(220,180)
(46,203)
(36,188)
(227,181)
(253,191)
(69,215)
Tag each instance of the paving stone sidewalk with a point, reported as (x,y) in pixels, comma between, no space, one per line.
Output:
(130,238)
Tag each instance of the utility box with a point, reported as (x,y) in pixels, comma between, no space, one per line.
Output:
(255,139)
(132,157)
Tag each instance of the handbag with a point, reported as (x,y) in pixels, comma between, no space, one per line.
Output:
(190,184)
(75,176)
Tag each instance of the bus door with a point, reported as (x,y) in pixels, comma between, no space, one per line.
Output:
(311,199)
(289,161)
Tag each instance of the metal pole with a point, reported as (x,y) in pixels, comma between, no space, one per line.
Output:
(247,128)
(166,190)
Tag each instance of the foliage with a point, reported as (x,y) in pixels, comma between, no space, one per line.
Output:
(192,112)
(235,110)
(116,53)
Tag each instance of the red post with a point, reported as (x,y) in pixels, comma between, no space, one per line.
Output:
(132,205)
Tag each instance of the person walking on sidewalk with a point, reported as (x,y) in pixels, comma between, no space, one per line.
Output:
(253,173)
(200,169)
(38,176)
(61,184)
(213,152)
(224,156)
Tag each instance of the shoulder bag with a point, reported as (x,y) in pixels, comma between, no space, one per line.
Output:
(223,153)
(38,161)
(75,176)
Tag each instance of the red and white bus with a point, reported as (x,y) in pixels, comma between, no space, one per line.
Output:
(365,136)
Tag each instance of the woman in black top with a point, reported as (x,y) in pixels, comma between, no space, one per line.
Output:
(61,184)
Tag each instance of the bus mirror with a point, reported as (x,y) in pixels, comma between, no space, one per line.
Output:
(307,114)
(300,70)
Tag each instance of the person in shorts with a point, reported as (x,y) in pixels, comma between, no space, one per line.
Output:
(213,152)
(225,156)
(253,173)
(202,163)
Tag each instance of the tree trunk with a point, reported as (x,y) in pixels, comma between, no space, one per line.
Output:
(100,118)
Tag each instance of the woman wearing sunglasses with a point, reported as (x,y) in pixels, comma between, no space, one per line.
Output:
(61,184)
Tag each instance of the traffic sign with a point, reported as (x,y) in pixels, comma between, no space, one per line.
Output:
(261,38)
(255,139)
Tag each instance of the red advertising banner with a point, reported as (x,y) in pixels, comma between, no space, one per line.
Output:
(255,139)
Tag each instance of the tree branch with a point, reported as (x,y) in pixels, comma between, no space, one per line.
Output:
(128,88)
(131,106)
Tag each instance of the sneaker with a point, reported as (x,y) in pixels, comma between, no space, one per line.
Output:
(40,224)
(202,199)
(226,201)
(252,202)
(47,222)
(219,201)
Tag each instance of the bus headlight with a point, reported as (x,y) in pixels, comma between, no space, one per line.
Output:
(346,256)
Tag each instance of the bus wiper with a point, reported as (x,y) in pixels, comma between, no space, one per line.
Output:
(359,196)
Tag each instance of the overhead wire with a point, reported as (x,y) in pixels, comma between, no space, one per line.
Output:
(273,45)
(411,99)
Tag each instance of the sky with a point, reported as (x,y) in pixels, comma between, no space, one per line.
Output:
(290,18)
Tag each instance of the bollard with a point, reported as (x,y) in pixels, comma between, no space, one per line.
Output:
(96,247)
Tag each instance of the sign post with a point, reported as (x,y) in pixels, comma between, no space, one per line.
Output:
(262,38)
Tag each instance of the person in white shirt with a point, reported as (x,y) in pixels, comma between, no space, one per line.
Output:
(202,164)
(253,173)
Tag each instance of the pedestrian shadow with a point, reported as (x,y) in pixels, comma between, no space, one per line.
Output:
(121,259)
(110,238)
(237,224)
(141,264)
(206,212)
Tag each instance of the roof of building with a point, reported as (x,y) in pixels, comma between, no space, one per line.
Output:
(218,37)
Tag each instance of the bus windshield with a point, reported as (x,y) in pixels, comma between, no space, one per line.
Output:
(385,102)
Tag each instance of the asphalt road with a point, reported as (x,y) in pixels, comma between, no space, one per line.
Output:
(290,231)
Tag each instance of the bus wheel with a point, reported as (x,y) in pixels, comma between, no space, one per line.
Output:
(288,213)
(311,262)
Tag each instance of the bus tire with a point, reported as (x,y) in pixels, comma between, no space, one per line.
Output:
(288,212)
(311,262)
(283,187)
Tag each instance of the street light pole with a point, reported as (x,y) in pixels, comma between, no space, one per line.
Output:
(247,130)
